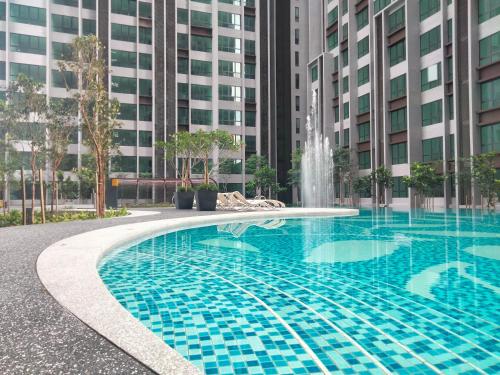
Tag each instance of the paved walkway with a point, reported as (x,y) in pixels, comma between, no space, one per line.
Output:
(37,335)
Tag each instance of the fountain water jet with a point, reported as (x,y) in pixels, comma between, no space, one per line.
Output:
(317,164)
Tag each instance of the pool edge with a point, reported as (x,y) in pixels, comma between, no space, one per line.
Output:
(68,270)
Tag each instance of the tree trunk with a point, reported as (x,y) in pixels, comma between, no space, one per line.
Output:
(33,193)
(100,191)
(53,191)
(42,196)
(205,174)
(23,182)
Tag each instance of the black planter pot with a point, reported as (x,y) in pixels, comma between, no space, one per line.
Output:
(206,200)
(184,200)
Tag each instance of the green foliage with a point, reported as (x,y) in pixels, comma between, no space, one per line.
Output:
(294,173)
(382,176)
(11,218)
(424,179)
(362,185)
(254,162)
(209,187)
(264,177)
(484,173)
(184,189)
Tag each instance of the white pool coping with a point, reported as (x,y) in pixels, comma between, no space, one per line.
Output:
(68,269)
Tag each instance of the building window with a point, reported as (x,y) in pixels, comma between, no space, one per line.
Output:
(182,65)
(35,72)
(449,67)
(428,8)
(124,33)
(297,126)
(346,110)
(182,116)
(451,110)
(124,59)
(201,19)
(345,31)
(363,75)
(345,6)
(432,149)
(250,119)
(2,40)
(146,87)
(182,91)
(249,23)
(336,113)
(432,113)
(333,40)
(145,10)
(398,87)
(123,85)
(362,18)
(230,93)
(490,138)
(398,153)
(201,117)
(64,79)
(296,36)
(364,132)
(297,61)
(182,16)
(314,73)
(2,71)
(201,92)
(201,68)
(488,9)
(145,112)
(229,68)
(229,117)
(228,44)
(489,49)
(345,84)
(250,94)
(364,160)
(125,137)
(399,188)
(297,14)
(430,77)
(145,35)
(145,61)
(335,86)
(297,81)
(297,103)
(62,51)
(27,44)
(229,20)
(24,14)
(363,47)
(125,7)
(396,20)
(250,70)
(333,16)
(337,138)
(345,58)
(364,104)
(449,29)
(64,24)
(398,120)
(397,53)
(430,41)
(490,94)
(200,43)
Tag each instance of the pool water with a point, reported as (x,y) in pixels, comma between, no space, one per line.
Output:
(378,293)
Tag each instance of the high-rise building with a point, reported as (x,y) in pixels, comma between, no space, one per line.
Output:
(409,81)
(174,65)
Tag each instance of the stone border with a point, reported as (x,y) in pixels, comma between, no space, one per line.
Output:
(68,269)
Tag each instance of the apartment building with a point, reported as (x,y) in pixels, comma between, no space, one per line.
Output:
(174,65)
(406,81)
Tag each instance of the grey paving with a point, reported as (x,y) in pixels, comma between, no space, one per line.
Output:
(37,335)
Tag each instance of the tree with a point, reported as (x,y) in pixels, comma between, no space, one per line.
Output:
(59,130)
(382,176)
(98,112)
(342,168)
(181,146)
(26,112)
(264,177)
(362,185)
(294,173)
(205,143)
(8,166)
(484,173)
(424,179)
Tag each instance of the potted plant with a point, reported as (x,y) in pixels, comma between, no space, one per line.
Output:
(204,144)
(181,146)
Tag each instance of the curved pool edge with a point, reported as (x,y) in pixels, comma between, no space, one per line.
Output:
(68,270)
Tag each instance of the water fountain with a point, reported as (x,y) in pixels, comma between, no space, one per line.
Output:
(317,163)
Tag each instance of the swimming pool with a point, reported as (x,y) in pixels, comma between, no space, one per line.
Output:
(381,292)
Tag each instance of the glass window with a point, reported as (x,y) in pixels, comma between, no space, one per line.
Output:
(145,35)
(182,16)
(250,94)
(182,116)
(230,93)
(336,113)
(314,73)
(337,138)
(145,61)
(201,92)
(346,137)
(145,10)
(2,10)
(398,153)
(124,85)
(201,116)
(430,41)
(229,117)
(229,20)
(123,32)
(182,91)
(430,77)
(364,104)
(182,41)
(346,110)
(64,79)
(490,138)
(249,23)
(125,137)
(399,188)
(145,138)
(250,70)
(362,18)
(2,40)
(397,53)
(396,20)
(345,84)
(250,119)
(489,49)
(249,47)
(201,43)
(345,31)
(364,75)
(449,68)
(364,160)
(26,14)
(451,112)
(432,149)
(229,68)
(364,132)
(345,58)
(398,87)
(125,59)
(490,94)
(398,120)
(126,7)
(201,19)
(333,40)
(64,24)
(182,65)
(2,72)
(428,8)
(345,6)
(126,164)
(488,9)
(145,112)
(228,44)
(146,87)
(27,44)
(35,72)
(128,112)
(432,113)
(88,27)
(333,16)
(88,4)
(363,47)
(201,68)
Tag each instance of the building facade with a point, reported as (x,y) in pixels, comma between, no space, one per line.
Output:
(174,65)
(409,81)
